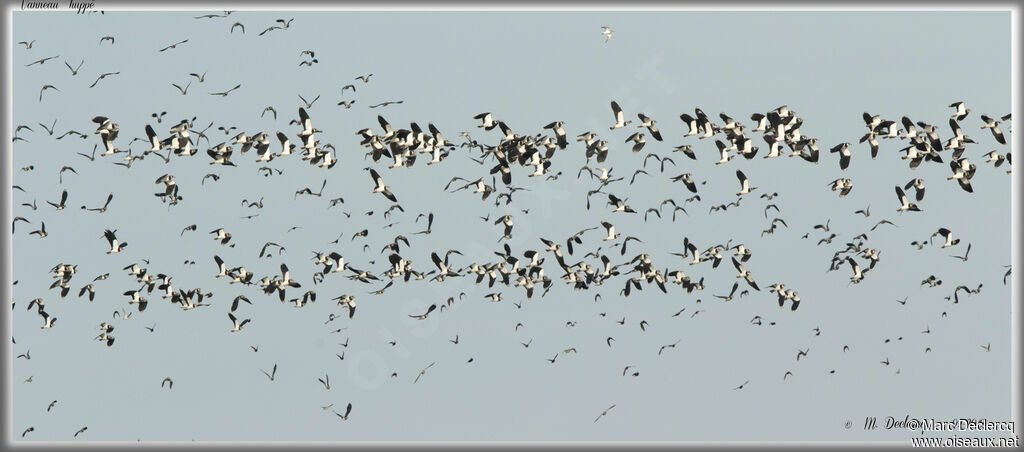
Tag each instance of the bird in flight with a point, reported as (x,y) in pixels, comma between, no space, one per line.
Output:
(42,61)
(603,413)
(172,46)
(272,373)
(607,33)
(225,93)
(102,76)
(74,70)
(348,410)
(423,372)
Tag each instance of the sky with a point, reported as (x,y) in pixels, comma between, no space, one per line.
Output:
(528,69)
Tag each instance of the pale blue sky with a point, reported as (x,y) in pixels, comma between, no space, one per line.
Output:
(529,69)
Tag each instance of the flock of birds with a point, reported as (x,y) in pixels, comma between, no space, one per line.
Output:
(588,260)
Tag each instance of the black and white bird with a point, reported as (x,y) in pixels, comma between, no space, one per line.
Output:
(961,110)
(858,275)
(745,274)
(843,149)
(63,201)
(379,186)
(638,141)
(948,236)
(487,121)
(236,325)
(443,270)
(619,117)
(649,124)
(994,126)
(724,151)
(963,171)
(905,203)
(220,155)
(843,186)
(744,184)
(222,235)
(222,269)
(41,232)
(115,247)
(918,185)
(48,320)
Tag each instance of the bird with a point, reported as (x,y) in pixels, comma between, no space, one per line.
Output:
(220,234)
(948,236)
(168,382)
(379,186)
(115,247)
(619,117)
(800,353)
(964,257)
(74,70)
(610,230)
(744,273)
(348,410)
(993,125)
(844,186)
(843,149)
(184,91)
(425,314)
(638,140)
(225,93)
(102,76)
(423,372)
(905,204)
(603,413)
(918,185)
(272,373)
(173,46)
(237,326)
(384,104)
(672,345)
(735,285)
(309,104)
(44,88)
(42,60)
(41,232)
(649,124)
(961,110)
(744,184)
